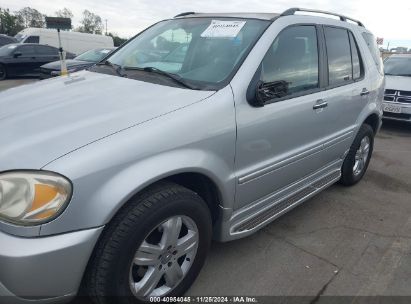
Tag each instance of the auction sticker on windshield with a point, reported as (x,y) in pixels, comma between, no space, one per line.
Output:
(223,29)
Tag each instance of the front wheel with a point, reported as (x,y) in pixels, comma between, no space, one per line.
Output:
(154,247)
(3,72)
(358,158)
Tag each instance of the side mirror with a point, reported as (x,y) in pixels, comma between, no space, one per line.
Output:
(17,54)
(266,91)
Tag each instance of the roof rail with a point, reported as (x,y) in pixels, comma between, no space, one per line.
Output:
(184,14)
(293,10)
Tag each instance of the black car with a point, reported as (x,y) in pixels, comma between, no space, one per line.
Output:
(26,59)
(81,62)
(4,39)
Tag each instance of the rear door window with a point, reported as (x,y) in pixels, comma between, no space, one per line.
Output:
(46,50)
(340,70)
(26,50)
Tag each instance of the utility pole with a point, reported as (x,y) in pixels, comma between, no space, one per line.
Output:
(106,27)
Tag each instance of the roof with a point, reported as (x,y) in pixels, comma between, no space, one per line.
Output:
(269,16)
(262,16)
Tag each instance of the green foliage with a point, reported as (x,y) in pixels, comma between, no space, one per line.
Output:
(9,23)
(117,40)
(30,17)
(64,13)
(91,23)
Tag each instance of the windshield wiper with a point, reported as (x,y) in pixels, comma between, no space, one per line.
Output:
(172,76)
(117,68)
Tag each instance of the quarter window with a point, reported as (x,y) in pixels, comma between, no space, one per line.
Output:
(340,69)
(292,61)
(356,60)
(372,46)
(32,39)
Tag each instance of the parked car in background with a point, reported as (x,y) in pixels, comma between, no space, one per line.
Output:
(73,42)
(26,59)
(397,96)
(4,40)
(79,63)
(114,181)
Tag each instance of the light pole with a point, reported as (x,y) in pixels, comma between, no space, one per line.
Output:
(106,27)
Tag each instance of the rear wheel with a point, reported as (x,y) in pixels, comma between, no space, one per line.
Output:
(358,158)
(154,247)
(3,72)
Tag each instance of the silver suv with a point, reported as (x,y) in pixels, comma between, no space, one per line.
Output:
(205,126)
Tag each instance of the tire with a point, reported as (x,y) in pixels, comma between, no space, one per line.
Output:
(3,72)
(111,270)
(352,174)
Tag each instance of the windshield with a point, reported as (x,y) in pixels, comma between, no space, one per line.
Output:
(7,49)
(199,50)
(94,55)
(20,37)
(398,66)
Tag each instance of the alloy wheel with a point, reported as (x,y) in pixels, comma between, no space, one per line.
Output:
(361,156)
(164,257)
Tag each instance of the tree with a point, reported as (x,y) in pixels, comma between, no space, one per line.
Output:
(9,24)
(64,13)
(30,17)
(91,23)
(117,40)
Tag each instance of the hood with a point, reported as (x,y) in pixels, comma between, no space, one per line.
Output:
(398,83)
(43,121)
(55,65)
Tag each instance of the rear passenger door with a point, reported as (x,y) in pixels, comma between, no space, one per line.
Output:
(346,90)
(23,61)
(45,54)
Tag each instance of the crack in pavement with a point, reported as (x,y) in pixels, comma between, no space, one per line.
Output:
(355,229)
(300,248)
(323,289)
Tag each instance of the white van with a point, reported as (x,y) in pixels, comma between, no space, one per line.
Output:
(73,42)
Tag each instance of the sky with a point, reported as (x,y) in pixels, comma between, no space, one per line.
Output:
(128,17)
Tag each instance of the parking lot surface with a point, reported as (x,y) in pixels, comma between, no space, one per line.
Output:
(10,83)
(345,241)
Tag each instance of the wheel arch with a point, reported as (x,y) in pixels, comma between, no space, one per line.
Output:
(373,120)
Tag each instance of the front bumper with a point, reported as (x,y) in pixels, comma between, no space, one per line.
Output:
(405,109)
(44,269)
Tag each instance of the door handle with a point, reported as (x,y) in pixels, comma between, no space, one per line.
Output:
(364,92)
(320,104)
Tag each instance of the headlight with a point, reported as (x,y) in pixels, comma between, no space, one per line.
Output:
(32,197)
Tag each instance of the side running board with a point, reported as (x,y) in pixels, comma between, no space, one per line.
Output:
(286,204)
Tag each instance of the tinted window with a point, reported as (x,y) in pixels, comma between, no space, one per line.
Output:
(356,59)
(26,50)
(372,45)
(293,60)
(46,50)
(339,56)
(32,39)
